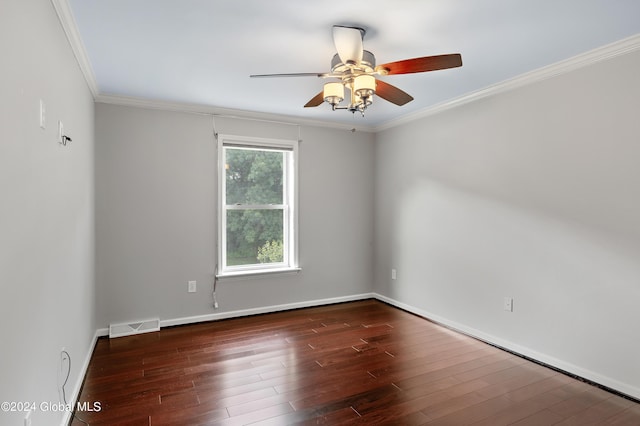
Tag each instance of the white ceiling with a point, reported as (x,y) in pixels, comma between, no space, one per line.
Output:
(203,51)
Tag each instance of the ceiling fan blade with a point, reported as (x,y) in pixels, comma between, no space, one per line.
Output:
(392,94)
(298,74)
(316,100)
(427,63)
(348,42)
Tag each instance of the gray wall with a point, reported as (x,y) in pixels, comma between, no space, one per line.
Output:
(531,194)
(46,210)
(156,215)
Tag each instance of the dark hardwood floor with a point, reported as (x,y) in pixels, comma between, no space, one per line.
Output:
(352,363)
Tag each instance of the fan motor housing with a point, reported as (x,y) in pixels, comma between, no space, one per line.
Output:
(367,64)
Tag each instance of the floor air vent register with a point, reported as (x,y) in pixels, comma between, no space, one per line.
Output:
(131,328)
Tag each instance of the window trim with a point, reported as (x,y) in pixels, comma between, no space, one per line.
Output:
(290,204)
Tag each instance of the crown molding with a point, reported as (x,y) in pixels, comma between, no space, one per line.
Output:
(618,48)
(226,112)
(65,16)
(594,56)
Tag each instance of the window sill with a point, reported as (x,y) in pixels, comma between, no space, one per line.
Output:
(257,274)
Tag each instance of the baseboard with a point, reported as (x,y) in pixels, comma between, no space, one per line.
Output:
(73,398)
(607,383)
(264,310)
(253,311)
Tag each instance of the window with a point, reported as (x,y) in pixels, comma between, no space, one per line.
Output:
(257,205)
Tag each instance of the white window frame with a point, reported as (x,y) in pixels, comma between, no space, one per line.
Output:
(289,206)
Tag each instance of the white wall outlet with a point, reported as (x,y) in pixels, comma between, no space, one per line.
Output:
(192,286)
(393,274)
(63,370)
(64,360)
(43,115)
(508,304)
(60,132)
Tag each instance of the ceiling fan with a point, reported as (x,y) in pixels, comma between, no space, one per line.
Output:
(355,69)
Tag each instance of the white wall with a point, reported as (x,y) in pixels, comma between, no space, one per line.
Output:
(156,215)
(46,210)
(531,194)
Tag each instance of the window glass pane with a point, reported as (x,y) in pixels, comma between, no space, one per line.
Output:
(253,176)
(254,236)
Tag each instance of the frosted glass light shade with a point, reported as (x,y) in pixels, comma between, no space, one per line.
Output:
(333,93)
(364,85)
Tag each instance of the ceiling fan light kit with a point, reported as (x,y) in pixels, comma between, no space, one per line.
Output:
(362,89)
(355,68)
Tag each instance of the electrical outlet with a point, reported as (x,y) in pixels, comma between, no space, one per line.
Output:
(508,304)
(43,115)
(63,369)
(64,360)
(60,132)
(393,274)
(192,286)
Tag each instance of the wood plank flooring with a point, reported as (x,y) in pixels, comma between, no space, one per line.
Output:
(352,363)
